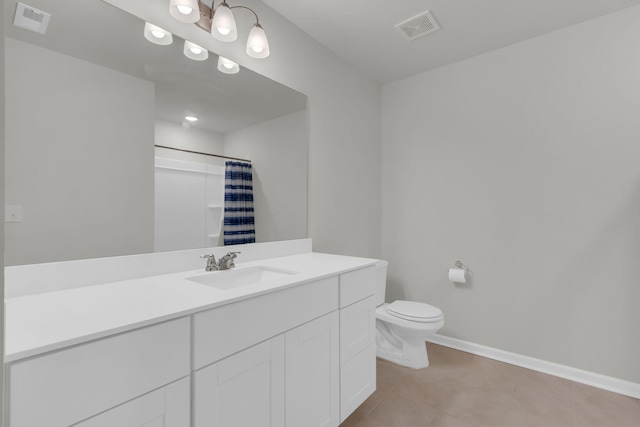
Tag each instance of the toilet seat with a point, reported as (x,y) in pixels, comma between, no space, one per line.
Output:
(414,311)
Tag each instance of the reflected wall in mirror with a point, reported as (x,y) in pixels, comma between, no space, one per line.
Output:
(87,102)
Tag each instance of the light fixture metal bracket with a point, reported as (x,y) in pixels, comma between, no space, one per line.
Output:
(206,15)
(250,10)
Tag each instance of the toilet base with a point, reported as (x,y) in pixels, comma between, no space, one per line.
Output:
(411,356)
(411,353)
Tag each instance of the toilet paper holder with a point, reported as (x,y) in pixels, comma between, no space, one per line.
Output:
(459,264)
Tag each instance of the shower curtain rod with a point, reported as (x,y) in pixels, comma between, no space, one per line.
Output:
(204,154)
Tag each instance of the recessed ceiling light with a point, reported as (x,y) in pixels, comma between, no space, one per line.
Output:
(227,66)
(195,52)
(191,119)
(157,35)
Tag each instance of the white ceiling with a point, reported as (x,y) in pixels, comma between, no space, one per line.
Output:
(362,31)
(222,102)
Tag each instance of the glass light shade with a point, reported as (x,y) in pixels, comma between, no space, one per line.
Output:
(191,119)
(257,44)
(195,52)
(223,25)
(227,66)
(185,10)
(157,35)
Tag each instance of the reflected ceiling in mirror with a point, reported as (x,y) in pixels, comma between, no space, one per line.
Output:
(86,182)
(102,34)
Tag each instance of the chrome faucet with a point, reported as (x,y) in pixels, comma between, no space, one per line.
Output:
(211,262)
(225,263)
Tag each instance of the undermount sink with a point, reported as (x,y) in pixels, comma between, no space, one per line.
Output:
(235,278)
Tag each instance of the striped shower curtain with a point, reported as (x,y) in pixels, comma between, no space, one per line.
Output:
(239,225)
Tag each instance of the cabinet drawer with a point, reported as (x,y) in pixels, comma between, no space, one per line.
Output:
(357,285)
(169,406)
(357,381)
(357,328)
(62,388)
(225,330)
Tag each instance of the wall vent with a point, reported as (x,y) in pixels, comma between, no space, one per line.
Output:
(30,18)
(418,26)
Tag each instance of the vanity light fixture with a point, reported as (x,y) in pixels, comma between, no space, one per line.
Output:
(185,10)
(221,23)
(257,44)
(195,52)
(227,66)
(157,35)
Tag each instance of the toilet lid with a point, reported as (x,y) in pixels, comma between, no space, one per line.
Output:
(415,311)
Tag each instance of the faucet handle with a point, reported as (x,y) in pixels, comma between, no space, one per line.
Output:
(227,260)
(211,262)
(229,256)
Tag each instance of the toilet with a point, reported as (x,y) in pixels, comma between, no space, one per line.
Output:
(402,327)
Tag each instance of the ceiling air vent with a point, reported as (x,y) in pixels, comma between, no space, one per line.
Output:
(31,18)
(418,26)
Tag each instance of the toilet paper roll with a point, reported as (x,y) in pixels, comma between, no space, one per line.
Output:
(457,275)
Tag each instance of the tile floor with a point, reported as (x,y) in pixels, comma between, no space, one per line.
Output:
(460,389)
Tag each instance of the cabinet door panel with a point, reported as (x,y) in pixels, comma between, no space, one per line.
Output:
(166,407)
(357,328)
(313,373)
(357,381)
(246,389)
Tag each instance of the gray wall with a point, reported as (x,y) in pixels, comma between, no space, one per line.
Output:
(344,122)
(57,105)
(2,143)
(523,163)
(171,134)
(278,151)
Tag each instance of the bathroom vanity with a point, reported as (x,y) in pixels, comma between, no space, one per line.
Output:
(291,342)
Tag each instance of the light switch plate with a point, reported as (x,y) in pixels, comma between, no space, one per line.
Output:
(12,213)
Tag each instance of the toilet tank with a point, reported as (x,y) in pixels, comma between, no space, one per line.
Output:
(381,282)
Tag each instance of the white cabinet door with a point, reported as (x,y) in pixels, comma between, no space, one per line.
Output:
(169,406)
(313,373)
(357,328)
(357,339)
(357,381)
(245,389)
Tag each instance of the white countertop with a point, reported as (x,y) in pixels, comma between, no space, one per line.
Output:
(43,322)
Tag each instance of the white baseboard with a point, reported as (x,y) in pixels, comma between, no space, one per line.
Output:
(604,382)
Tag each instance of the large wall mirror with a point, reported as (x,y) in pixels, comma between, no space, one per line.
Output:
(87,106)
